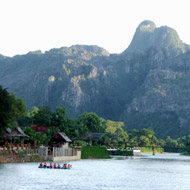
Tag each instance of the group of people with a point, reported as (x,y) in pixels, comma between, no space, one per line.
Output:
(65,166)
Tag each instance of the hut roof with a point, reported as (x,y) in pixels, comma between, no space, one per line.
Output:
(93,136)
(41,129)
(17,132)
(7,131)
(62,136)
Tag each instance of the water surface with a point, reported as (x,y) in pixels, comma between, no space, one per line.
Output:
(160,172)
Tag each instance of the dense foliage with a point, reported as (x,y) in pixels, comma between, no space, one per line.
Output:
(89,122)
(11,108)
(112,133)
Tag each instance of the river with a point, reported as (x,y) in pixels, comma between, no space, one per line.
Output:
(159,172)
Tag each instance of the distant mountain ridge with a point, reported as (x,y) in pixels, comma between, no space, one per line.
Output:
(145,86)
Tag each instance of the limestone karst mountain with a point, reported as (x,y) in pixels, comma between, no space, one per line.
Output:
(147,35)
(146,86)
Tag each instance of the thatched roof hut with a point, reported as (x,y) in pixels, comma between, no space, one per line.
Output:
(18,132)
(9,135)
(93,136)
(60,139)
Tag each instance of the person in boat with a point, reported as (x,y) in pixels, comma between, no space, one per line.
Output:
(51,165)
(58,165)
(45,165)
(55,165)
(65,165)
(41,165)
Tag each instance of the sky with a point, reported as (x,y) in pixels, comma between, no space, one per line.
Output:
(30,25)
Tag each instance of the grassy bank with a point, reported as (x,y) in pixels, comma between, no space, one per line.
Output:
(149,150)
(94,152)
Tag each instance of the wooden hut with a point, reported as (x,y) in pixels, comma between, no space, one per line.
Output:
(93,136)
(13,135)
(17,133)
(60,140)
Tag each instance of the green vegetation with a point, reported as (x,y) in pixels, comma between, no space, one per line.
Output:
(89,122)
(112,126)
(187,153)
(107,133)
(94,152)
(21,153)
(11,108)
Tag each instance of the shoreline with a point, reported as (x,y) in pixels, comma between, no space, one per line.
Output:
(7,157)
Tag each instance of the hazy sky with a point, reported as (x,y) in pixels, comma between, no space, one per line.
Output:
(29,25)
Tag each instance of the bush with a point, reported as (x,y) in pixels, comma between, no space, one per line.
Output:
(20,153)
(94,152)
(80,143)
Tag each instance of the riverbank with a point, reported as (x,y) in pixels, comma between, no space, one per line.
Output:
(8,157)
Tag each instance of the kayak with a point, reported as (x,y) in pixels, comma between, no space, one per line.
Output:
(48,167)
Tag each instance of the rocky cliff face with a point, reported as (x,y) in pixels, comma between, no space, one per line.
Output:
(146,86)
(162,101)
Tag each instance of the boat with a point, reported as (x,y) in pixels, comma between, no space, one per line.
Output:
(65,166)
(48,167)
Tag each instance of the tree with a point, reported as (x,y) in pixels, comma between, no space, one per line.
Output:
(28,117)
(59,119)
(81,130)
(122,136)
(71,125)
(111,126)
(43,117)
(171,143)
(144,141)
(142,137)
(40,138)
(18,108)
(184,142)
(91,122)
(146,132)
(11,108)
